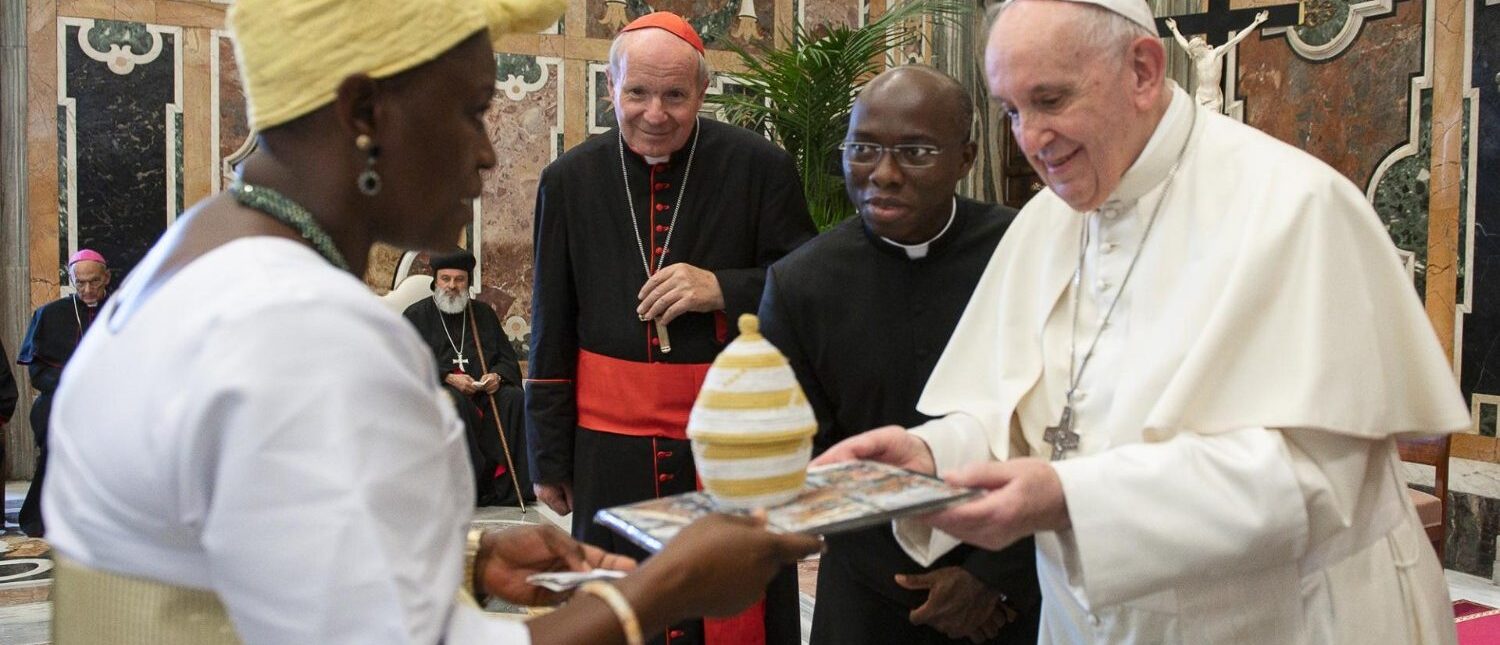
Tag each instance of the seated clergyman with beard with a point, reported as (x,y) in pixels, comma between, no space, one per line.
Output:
(478,369)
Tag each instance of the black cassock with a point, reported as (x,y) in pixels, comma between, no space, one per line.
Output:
(863,325)
(449,334)
(56,328)
(606,407)
(8,393)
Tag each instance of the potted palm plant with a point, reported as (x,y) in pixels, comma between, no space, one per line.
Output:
(800,94)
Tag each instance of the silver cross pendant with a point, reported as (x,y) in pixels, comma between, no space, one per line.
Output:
(1061,436)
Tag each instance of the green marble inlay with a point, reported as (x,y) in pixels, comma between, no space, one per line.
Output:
(525,67)
(714,27)
(1487,417)
(131,35)
(1463,202)
(637,8)
(1401,196)
(1323,20)
(62,194)
(177,160)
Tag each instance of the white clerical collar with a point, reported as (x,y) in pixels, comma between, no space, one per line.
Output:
(919,250)
(656,160)
(1159,155)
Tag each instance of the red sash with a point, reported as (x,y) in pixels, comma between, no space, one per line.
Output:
(654,400)
(636,399)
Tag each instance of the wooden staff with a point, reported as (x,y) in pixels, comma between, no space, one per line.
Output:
(494,409)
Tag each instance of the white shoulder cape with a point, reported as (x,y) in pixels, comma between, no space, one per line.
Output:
(1269,295)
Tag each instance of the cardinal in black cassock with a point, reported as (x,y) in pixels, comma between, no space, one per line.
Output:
(483,378)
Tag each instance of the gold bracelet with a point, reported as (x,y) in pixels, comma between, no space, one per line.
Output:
(617,603)
(471,572)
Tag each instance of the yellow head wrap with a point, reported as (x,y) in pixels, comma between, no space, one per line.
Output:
(294,53)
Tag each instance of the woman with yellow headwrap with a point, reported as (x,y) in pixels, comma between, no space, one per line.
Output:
(251,448)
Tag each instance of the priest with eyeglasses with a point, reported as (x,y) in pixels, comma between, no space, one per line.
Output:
(862,314)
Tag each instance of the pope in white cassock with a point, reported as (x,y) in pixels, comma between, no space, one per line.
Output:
(1184,369)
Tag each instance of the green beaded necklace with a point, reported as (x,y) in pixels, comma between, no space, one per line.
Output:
(284,210)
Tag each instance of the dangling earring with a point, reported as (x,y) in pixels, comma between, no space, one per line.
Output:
(369,180)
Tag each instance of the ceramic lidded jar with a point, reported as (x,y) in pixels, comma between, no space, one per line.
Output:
(751,426)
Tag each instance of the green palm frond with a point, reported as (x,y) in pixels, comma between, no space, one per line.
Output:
(801,94)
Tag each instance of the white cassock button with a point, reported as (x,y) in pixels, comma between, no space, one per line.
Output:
(1079,395)
(1102,285)
(1094,619)
(1106,247)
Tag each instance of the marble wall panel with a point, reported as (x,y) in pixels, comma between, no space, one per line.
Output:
(1480,375)
(527,117)
(232,119)
(1473,526)
(1317,107)
(119,133)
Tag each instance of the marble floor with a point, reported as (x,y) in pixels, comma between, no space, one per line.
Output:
(1462,586)
(25,584)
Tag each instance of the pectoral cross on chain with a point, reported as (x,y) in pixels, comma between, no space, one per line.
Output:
(461,363)
(1061,436)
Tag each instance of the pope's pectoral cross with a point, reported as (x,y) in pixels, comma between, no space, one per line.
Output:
(461,363)
(1061,436)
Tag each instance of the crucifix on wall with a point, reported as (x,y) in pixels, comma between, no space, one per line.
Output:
(1221,29)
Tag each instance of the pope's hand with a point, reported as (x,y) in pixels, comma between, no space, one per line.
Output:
(678,289)
(507,557)
(1262,16)
(890,445)
(1024,496)
(1172,24)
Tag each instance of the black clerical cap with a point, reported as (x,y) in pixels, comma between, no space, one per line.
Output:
(460,259)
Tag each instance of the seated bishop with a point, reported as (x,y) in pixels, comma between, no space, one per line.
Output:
(478,369)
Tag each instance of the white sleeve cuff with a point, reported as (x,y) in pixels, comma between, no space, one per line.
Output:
(956,440)
(1221,504)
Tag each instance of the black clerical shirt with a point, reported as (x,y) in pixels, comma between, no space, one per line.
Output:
(863,326)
